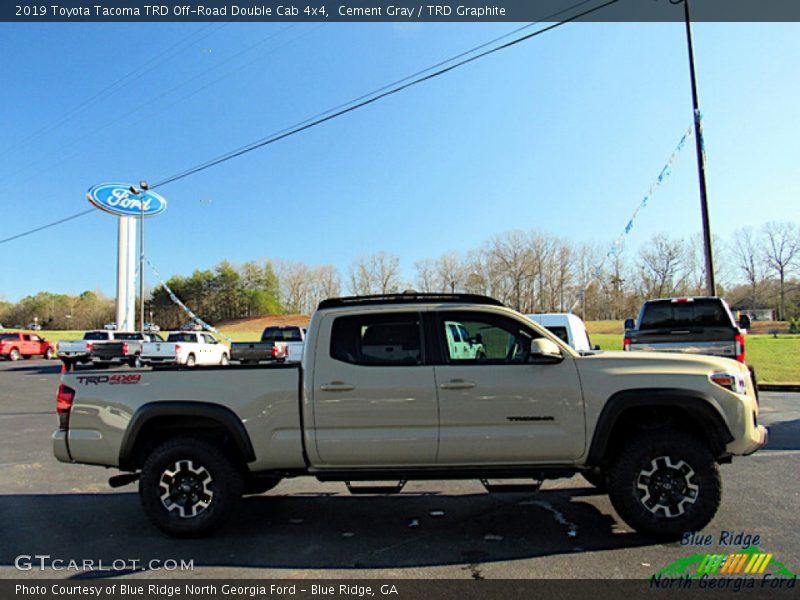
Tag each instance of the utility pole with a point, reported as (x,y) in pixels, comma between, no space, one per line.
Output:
(711,287)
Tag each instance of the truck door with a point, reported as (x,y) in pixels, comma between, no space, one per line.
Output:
(499,405)
(373,398)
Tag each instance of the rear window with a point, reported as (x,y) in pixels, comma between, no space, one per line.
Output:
(282,334)
(128,336)
(9,336)
(671,315)
(95,335)
(182,337)
(371,340)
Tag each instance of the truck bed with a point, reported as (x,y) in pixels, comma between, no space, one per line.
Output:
(265,400)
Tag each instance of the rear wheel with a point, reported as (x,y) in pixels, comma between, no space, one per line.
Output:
(189,487)
(665,483)
(191,361)
(14,354)
(223,360)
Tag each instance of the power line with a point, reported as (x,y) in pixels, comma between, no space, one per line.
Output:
(67,116)
(53,224)
(348,107)
(304,125)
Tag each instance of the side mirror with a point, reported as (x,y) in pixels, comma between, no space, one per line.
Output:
(630,324)
(744,322)
(596,347)
(544,348)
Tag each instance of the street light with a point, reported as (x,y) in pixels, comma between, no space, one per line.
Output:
(701,164)
(144,187)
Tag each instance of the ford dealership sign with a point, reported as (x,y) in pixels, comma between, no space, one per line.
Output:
(118,199)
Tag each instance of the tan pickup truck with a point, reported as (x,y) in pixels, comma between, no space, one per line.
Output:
(380,396)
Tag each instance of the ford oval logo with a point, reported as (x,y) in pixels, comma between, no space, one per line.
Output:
(117,199)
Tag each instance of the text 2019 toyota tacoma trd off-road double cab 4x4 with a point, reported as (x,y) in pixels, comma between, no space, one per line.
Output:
(380,396)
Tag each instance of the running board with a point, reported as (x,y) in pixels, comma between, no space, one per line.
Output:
(493,488)
(375,489)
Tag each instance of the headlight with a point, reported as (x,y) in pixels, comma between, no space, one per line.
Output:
(730,381)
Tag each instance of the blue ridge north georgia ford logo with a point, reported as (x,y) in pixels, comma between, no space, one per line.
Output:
(117,199)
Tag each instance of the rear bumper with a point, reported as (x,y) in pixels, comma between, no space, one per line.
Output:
(60,448)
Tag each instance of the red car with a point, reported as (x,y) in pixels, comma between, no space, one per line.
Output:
(16,345)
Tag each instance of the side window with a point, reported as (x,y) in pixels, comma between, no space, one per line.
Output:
(36,338)
(377,340)
(489,339)
(26,338)
(209,339)
(454,332)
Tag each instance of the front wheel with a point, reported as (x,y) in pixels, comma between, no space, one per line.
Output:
(665,483)
(48,354)
(223,360)
(189,487)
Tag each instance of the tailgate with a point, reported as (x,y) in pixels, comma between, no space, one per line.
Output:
(716,341)
(251,350)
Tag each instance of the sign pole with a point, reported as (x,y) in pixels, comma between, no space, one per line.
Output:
(122,269)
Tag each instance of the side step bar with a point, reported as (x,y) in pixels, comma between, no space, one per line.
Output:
(493,488)
(375,489)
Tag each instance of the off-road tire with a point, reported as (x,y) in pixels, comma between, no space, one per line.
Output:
(597,477)
(217,480)
(665,483)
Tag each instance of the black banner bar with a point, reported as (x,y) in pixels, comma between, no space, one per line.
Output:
(341,11)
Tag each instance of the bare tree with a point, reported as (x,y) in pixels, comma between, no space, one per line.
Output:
(660,266)
(746,253)
(426,275)
(375,274)
(780,253)
(449,272)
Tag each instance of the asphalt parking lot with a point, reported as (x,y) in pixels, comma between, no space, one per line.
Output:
(308,529)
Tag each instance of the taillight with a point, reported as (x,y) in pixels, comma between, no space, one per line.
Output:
(89,346)
(739,342)
(125,349)
(64,400)
(626,343)
(274,352)
(177,347)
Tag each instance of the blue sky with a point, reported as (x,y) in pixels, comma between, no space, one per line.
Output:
(564,133)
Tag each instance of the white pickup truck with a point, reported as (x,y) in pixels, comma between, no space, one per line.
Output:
(187,348)
(567,327)
(381,394)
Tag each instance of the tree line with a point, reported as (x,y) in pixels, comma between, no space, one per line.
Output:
(530,271)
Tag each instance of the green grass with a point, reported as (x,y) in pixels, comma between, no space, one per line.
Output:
(776,360)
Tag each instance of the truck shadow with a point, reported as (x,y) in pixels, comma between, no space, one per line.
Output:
(37,368)
(320,531)
(784,435)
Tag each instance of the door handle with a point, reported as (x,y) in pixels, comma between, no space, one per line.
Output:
(456,384)
(337,386)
